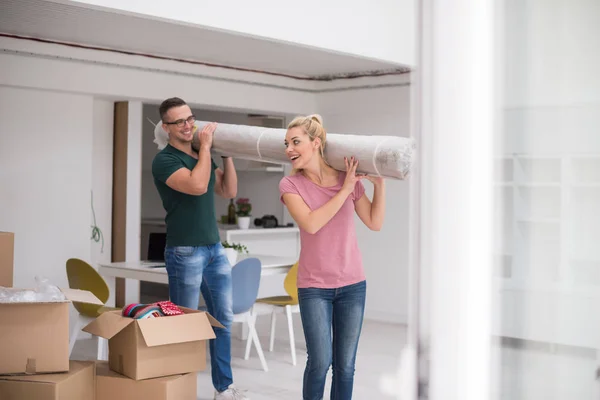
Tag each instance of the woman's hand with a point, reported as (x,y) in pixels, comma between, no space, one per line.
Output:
(375,180)
(351,176)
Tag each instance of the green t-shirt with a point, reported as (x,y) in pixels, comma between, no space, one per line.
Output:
(191,220)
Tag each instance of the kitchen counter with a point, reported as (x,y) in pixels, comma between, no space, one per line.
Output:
(234,230)
(153,221)
(283,242)
(229,228)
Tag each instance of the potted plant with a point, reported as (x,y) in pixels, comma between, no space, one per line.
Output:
(243,212)
(232,250)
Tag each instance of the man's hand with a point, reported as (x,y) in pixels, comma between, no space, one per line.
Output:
(206,135)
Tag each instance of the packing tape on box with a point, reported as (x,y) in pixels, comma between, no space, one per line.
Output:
(31,367)
(386,156)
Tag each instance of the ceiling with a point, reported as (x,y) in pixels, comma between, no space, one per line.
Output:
(75,23)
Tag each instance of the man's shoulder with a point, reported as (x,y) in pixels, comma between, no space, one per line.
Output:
(165,162)
(165,155)
(167,150)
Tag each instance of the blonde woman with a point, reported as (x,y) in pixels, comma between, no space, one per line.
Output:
(331,280)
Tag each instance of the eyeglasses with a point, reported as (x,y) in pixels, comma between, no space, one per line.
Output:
(181,122)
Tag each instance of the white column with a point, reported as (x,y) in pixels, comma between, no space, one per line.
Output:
(456,103)
(134,194)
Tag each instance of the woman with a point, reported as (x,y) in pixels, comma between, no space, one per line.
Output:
(331,280)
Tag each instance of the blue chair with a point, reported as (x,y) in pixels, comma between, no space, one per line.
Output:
(245,280)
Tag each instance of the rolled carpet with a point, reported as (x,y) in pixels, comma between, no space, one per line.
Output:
(386,156)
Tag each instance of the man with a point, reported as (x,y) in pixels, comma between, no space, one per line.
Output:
(194,256)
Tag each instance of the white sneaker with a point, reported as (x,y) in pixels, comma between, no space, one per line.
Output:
(232,393)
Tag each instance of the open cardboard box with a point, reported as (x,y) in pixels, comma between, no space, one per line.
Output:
(34,336)
(78,383)
(155,347)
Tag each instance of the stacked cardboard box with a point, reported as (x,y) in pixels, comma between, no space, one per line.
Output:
(35,335)
(113,386)
(149,359)
(77,384)
(154,358)
(35,342)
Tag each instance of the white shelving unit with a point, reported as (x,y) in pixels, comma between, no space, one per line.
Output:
(547,256)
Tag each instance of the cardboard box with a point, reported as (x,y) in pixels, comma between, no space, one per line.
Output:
(34,337)
(77,384)
(155,347)
(113,386)
(7,258)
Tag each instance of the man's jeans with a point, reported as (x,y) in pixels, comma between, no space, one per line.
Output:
(205,268)
(339,310)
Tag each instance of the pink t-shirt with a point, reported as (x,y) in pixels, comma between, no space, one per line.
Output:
(329,258)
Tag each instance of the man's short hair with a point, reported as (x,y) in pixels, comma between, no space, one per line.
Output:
(166,105)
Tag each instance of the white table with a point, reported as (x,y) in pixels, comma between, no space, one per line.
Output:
(148,271)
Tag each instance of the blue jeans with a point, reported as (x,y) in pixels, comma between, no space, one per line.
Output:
(206,268)
(324,311)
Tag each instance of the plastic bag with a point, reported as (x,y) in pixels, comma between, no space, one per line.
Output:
(45,292)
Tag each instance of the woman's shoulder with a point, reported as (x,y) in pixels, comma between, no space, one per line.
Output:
(292,179)
(290,183)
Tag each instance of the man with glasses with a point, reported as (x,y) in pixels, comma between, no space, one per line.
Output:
(195,259)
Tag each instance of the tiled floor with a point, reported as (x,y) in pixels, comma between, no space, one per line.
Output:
(534,371)
(521,371)
(377,355)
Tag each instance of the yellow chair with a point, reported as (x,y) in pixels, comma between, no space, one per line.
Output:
(83,276)
(282,304)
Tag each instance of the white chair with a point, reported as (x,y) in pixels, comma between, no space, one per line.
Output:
(287,305)
(245,280)
(80,322)
(83,276)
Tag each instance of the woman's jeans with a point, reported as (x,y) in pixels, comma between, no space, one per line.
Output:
(332,321)
(205,268)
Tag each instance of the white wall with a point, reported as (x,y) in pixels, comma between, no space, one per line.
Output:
(387,35)
(102,179)
(380,111)
(550,52)
(551,91)
(46,180)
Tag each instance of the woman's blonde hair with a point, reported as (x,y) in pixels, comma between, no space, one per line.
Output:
(312,125)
